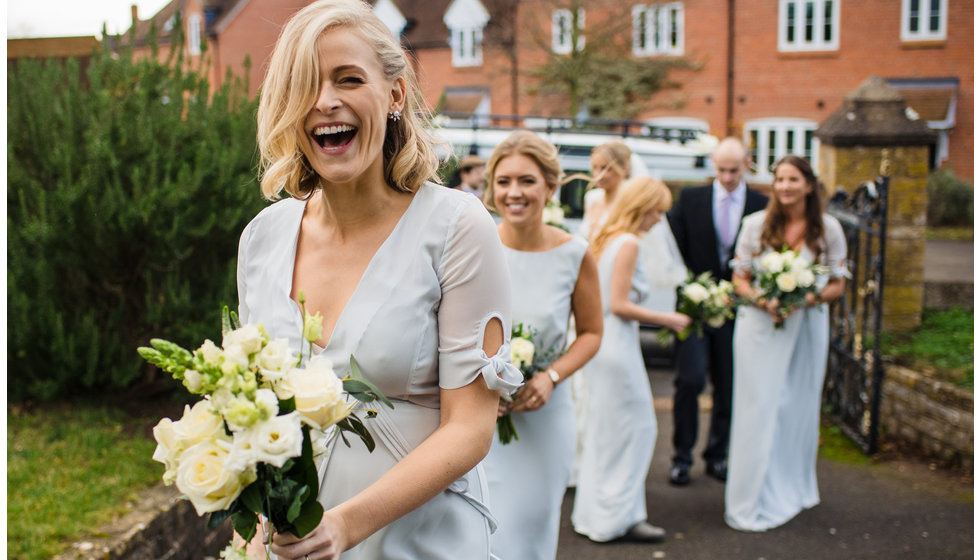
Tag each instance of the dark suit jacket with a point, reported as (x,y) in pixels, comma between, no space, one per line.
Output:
(693,225)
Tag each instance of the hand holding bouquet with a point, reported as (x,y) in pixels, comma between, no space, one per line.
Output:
(786,277)
(522,356)
(705,302)
(249,447)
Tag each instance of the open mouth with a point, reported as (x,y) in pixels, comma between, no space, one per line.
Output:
(334,136)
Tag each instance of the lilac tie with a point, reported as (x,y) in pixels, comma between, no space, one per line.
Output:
(724,227)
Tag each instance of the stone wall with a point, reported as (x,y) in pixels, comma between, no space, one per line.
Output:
(932,415)
(159,525)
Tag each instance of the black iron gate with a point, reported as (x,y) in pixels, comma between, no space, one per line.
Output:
(852,390)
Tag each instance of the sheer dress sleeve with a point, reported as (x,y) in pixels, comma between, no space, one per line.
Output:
(748,246)
(475,286)
(836,254)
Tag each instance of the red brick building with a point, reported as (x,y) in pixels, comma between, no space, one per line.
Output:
(769,70)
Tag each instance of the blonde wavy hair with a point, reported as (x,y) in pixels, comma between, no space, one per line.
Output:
(292,85)
(616,153)
(636,197)
(525,143)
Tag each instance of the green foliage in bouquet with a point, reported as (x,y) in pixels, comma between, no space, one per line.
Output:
(128,186)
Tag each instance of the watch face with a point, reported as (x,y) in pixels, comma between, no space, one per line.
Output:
(553,375)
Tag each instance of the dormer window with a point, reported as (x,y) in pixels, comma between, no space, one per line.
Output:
(466,20)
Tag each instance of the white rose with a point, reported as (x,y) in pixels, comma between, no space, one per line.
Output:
(211,353)
(772,262)
(789,257)
(318,393)
(786,282)
(199,423)
(553,215)
(193,381)
(249,337)
(521,352)
(275,359)
(276,440)
(695,293)
(805,278)
(203,477)
(168,448)
(716,322)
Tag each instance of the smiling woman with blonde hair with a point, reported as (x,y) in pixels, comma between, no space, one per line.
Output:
(409,278)
(617,447)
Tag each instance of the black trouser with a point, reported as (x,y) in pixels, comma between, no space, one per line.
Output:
(697,359)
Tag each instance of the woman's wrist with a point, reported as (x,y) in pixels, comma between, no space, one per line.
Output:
(553,375)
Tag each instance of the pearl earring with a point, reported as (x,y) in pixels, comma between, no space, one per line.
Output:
(394,115)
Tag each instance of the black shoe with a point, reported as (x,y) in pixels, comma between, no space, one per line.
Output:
(680,474)
(717,469)
(645,533)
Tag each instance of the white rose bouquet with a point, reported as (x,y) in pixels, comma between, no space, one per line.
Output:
(554,215)
(247,448)
(787,277)
(705,302)
(522,356)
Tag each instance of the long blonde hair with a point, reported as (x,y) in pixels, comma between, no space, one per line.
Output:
(617,155)
(525,143)
(636,197)
(292,85)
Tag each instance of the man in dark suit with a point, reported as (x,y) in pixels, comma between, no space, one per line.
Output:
(705,222)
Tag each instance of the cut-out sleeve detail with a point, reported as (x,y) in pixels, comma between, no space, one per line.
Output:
(475,285)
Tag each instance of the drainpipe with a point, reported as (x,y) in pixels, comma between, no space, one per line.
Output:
(730,73)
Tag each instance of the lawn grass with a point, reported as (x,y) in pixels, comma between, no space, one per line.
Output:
(963,233)
(941,347)
(71,467)
(836,446)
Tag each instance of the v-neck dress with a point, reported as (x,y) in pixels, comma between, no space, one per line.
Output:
(528,476)
(778,381)
(415,325)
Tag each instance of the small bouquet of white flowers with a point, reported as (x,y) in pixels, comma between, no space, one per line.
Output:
(248,447)
(705,302)
(554,215)
(522,356)
(787,277)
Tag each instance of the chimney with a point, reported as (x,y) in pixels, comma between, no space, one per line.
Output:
(134,9)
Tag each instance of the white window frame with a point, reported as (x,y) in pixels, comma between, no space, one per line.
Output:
(467,45)
(773,139)
(922,21)
(561,31)
(798,42)
(658,29)
(194,34)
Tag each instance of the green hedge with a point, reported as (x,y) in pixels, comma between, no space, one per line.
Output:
(950,200)
(127,190)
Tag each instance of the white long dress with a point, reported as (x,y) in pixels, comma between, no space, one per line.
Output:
(778,379)
(619,437)
(415,325)
(528,476)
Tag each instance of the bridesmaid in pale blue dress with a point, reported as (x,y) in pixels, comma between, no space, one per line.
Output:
(552,276)
(409,277)
(779,373)
(610,498)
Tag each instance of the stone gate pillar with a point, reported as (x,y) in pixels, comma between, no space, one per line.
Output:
(875,124)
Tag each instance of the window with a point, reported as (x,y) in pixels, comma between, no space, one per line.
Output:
(809,25)
(924,20)
(770,139)
(562,24)
(658,29)
(465,20)
(194,34)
